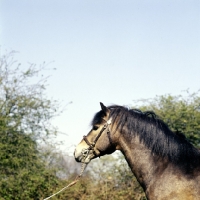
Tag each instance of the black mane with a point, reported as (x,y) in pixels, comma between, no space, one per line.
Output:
(155,135)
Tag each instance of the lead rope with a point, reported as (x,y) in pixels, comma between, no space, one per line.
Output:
(72,183)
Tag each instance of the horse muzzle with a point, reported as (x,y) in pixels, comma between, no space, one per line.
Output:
(84,156)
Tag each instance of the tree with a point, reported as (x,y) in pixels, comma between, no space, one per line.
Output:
(181,113)
(25,124)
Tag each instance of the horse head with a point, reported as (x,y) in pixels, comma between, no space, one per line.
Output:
(99,141)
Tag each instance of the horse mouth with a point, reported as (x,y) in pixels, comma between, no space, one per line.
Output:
(79,157)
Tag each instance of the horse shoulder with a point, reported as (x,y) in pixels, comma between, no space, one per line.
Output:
(174,187)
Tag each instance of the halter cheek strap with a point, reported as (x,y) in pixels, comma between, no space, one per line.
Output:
(92,145)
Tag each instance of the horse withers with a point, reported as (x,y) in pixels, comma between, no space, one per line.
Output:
(165,164)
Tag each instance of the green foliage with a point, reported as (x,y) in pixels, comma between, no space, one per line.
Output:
(24,123)
(22,103)
(111,178)
(181,113)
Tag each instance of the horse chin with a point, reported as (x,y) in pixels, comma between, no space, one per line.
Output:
(86,161)
(88,158)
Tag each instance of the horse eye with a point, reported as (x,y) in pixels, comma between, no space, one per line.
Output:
(95,128)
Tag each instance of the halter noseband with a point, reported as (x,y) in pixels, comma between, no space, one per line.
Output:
(85,152)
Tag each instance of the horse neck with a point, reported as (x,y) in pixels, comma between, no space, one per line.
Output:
(141,161)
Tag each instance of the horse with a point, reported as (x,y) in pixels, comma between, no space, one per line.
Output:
(165,163)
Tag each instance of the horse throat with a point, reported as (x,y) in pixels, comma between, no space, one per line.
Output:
(139,159)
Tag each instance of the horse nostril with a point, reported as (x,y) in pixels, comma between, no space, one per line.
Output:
(85,152)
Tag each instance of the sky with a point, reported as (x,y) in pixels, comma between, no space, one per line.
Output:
(107,51)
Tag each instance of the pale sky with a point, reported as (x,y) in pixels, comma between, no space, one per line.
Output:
(105,50)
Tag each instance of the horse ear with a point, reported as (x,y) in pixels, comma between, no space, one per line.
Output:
(104,108)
